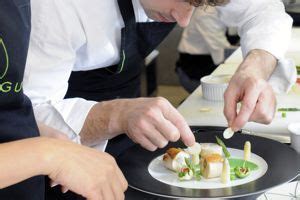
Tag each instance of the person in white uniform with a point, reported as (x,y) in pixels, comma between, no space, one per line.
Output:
(201,48)
(74,35)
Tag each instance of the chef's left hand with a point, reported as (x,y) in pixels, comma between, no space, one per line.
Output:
(250,87)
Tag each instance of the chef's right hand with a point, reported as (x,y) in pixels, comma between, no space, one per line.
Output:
(153,122)
(85,171)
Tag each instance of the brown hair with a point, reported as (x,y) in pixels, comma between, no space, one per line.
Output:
(198,3)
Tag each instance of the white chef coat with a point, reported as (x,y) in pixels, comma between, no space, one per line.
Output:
(82,35)
(205,35)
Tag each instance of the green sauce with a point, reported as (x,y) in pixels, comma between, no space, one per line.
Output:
(235,162)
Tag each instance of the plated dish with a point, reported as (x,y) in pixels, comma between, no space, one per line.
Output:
(207,166)
(136,162)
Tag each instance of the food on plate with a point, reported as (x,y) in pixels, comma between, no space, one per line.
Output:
(247,151)
(211,166)
(225,176)
(185,174)
(228,133)
(210,148)
(224,148)
(194,151)
(209,160)
(174,159)
(242,172)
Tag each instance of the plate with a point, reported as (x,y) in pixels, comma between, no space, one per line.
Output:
(283,166)
(158,171)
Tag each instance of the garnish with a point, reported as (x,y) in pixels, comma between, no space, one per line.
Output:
(288,109)
(189,171)
(225,176)
(283,115)
(224,148)
(247,151)
(242,172)
(185,174)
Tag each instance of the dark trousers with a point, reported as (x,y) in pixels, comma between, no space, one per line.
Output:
(191,68)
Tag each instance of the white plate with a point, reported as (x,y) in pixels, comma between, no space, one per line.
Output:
(158,171)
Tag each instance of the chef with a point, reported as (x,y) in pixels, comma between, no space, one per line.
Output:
(103,43)
(201,47)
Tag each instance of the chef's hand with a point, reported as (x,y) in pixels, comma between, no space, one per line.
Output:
(153,122)
(250,87)
(85,171)
(47,131)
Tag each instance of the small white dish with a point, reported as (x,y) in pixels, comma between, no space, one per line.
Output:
(213,87)
(294,129)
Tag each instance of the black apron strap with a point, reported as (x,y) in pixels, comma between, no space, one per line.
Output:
(127,12)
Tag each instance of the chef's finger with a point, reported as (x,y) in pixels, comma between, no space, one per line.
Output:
(167,129)
(121,177)
(53,183)
(107,192)
(265,108)
(64,189)
(118,191)
(249,101)
(146,143)
(171,114)
(156,138)
(230,105)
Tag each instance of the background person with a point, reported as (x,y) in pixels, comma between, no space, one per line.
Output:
(202,47)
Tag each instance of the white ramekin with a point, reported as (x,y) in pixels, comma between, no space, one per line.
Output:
(213,87)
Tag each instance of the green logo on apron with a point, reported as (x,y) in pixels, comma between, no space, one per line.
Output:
(6,86)
(4,68)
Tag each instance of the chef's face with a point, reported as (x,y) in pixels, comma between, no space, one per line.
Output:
(179,11)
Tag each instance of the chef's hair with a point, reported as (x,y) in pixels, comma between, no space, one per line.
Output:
(198,3)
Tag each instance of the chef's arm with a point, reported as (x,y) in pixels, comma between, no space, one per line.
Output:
(21,160)
(258,63)
(59,159)
(151,122)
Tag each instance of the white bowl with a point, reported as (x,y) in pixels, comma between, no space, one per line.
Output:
(213,87)
(294,129)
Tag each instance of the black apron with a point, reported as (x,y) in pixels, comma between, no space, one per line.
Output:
(16,114)
(122,80)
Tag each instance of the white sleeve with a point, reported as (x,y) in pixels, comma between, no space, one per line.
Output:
(67,116)
(140,14)
(264,24)
(50,61)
